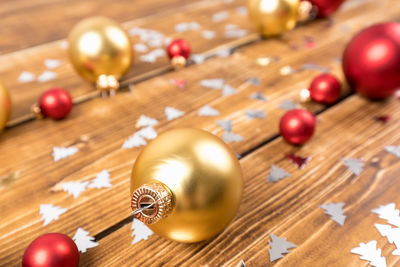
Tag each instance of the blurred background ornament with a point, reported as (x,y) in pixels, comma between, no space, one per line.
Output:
(55,103)
(325,8)
(325,89)
(186,185)
(51,250)
(371,61)
(274,17)
(101,52)
(5,107)
(297,126)
(178,52)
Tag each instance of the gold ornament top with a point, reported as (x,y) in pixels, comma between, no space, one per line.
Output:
(273,17)
(99,46)
(153,201)
(5,107)
(202,174)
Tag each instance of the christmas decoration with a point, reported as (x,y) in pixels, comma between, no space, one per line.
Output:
(277,174)
(5,107)
(60,153)
(173,113)
(395,150)
(51,250)
(208,111)
(297,126)
(50,213)
(55,103)
(83,241)
(371,61)
(326,7)
(101,51)
(279,246)
(102,180)
(389,213)
(226,125)
(186,185)
(178,51)
(140,231)
(369,253)
(274,17)
(289,105)
(392,234)
(356,166)
(325,89)
(74,188)
(335,210)
(299,161)
(229,137)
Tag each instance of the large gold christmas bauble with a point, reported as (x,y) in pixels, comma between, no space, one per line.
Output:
(5,107)
(194,181)
(99,46)
(274,17)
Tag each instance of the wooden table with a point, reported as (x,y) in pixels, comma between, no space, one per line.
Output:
(34,31)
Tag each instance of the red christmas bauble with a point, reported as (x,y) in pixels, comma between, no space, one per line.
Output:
(179,47)
(55,103)
(297,126)
(51,250)
(326,7)
(325,89)
(371,61)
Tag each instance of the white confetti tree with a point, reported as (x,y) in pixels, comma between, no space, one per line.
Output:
(60,153)
(229,137)
(173,113)
(74,188)
(134,140)
(335,211)
(279,246)
(395,150)
(140,231)
(356,166)
(277,174)
(392,235)
(50,213)
(215,84)
(145,121)
(228,90)
(208,111)
(389,213)
(102,180)
(369,253)
(83,241)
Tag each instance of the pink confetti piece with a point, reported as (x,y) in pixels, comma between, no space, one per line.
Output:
(180,83)
(299,161)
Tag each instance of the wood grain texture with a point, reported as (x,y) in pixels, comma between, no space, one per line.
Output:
(99,127)
(25,94)
(27,23)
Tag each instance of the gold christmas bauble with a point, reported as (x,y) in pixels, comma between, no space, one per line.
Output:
(273,17)
(192,183)
(5,107)
(100,50)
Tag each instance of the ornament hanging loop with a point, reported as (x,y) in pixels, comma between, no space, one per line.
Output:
(306,11)
(107,85)
(36,111)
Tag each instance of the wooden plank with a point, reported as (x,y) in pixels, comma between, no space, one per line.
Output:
(27,23)
(104,124)
(32,59)
(289,207)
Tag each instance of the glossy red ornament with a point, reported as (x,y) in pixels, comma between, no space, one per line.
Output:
(179,48)
(55,103)
(51,250)
(297,126)
(325,89)
(326,7)
(371,61)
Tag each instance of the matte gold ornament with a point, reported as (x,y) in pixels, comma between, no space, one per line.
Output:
(101,51)
(186,185)
(5,107)
(274,17)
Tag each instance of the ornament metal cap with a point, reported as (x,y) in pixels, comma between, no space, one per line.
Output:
(107,83)
(178,62)
(152,202)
